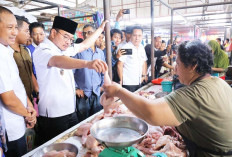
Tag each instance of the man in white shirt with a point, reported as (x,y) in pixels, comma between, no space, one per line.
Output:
(14,103)
(57,104)
(132,69)
(37,33)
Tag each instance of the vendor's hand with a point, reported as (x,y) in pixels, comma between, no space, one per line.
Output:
(112,90)
(80,93)
(103,24)
(120,14)
(120,53)
(106,101)
(98,65)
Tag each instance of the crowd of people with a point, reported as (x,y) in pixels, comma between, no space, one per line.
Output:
(65,78)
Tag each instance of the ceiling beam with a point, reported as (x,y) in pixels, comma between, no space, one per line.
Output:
(208,14)
(50,3)
(37,9)
(202,5)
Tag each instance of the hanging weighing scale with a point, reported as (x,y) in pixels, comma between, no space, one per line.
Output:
(118,134)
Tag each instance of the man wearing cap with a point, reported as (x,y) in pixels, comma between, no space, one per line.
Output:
(55,77)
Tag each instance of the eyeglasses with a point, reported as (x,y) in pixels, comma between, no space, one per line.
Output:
(66,38)
(88,32)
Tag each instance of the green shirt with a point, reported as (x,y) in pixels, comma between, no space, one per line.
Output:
(24,63)
(205,111)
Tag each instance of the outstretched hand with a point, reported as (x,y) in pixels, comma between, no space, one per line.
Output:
(103,24)
(98,65)
(120,14)
(112,89)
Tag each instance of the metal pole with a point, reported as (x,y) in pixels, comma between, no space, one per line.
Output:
(76,3)
(43,8)
(202,5)
(228,18)
(49,3)
(207,14)
(161,1)
(58,10)
(152,41)
(106,6)
(171,35)
(194,31)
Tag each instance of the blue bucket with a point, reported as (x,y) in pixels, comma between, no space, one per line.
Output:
(215,74)
(166,86)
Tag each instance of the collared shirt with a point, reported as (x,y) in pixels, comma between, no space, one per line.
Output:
(133,64)
(56,85)
(86,79)
(32,48)
(24,63)
(10,81)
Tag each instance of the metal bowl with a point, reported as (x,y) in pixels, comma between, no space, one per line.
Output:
(58,147)
(118,132)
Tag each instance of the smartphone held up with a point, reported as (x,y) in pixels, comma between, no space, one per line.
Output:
(126,11)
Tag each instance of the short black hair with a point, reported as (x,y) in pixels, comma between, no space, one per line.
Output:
(227,40)
(163,41)
(20,20)
(219,39)
(157,37)
(89,25)
(79,40)
(4,10)
(136,27)
(196,53)
(35,25)
(113,31)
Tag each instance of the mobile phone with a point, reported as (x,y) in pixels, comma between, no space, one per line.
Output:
(126,11)
(128,51)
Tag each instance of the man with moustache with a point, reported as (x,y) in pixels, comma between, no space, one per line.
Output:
(57,104)
(132,69)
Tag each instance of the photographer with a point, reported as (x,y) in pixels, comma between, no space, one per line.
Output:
(132,67)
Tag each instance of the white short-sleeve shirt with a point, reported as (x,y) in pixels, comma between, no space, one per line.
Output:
(10,81)
(56,85)
(133,64)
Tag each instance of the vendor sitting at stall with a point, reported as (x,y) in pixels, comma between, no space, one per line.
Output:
(221,61)
(200,111)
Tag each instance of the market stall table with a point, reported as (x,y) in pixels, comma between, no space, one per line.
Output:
(68,135)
